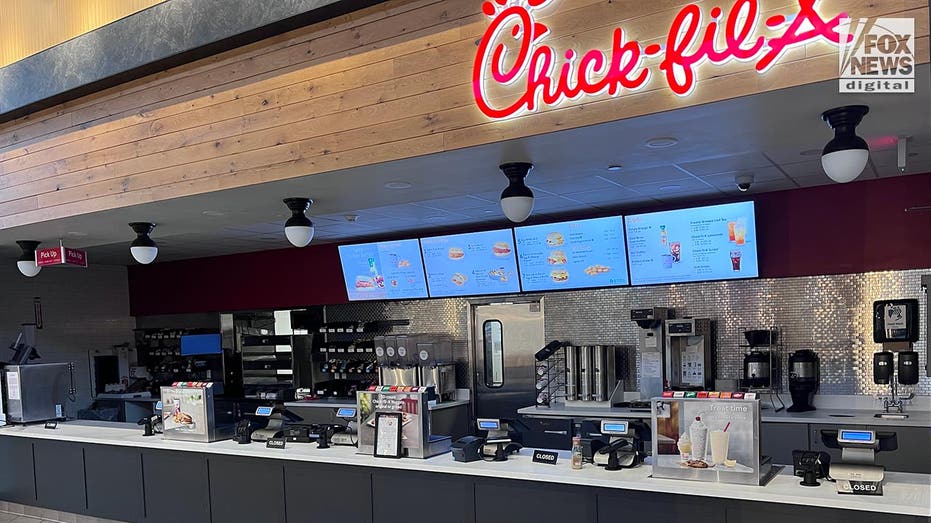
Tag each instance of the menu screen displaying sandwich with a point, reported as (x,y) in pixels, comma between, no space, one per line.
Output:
(572,255)
(471,264)
(704,243)
(383,270)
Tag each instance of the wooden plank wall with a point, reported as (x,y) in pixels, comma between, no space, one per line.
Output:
(389,82)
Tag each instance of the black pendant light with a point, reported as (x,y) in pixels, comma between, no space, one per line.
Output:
(26,263)
(299,229)
(517,198)
(143,248)
(845,157)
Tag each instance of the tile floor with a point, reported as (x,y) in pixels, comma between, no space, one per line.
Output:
(16,513)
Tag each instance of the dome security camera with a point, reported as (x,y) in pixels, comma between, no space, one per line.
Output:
(744,181)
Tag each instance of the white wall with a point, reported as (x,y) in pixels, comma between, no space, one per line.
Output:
(83,309)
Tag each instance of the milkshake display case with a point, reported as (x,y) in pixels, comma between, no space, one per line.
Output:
(715,438)
(411,403)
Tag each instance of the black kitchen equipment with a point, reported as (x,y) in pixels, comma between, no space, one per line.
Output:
(883,367)
(908,368)
(761,337)
(804,378)
(811,465)
(758,368)
(146,422)
(468,449)
(243,432)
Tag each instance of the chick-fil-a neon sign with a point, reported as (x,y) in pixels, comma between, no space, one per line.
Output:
(548,78)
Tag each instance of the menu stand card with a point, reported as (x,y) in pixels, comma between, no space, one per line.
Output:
(388,434)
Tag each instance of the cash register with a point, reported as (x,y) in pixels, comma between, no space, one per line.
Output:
(495,446)
(348,436)
(623,448)
(857,471)
(277,416)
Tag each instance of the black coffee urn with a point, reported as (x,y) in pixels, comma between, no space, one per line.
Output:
(804,377)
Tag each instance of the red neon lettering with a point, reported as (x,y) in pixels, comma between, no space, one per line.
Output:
(545,78)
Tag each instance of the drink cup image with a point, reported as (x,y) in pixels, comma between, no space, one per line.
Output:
(730,231)
(675,249)
(719,443)
(740,231)
(667,261)
(735,260)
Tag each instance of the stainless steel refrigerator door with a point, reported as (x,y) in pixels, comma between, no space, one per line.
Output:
(505,336)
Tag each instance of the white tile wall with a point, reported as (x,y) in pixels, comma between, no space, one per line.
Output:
(82,309)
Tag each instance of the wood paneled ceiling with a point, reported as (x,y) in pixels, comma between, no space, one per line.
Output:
(764,135)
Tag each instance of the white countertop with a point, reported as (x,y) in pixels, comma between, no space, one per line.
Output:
(337,403)
(823,416)
(903,493)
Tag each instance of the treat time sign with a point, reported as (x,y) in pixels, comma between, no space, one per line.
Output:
(514,61)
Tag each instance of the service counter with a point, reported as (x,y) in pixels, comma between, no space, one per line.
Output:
(781,432)
(111,471)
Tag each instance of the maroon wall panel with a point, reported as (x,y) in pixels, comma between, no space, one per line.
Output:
(259,280)
(832,229)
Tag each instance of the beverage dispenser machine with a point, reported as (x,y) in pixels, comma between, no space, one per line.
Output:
(690,354)
(652,348)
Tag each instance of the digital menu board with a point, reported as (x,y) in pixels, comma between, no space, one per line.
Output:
(470,264)
(572,255)
(702,243)
(383,270)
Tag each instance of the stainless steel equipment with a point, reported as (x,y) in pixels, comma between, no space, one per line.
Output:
(585,373)
(37,392)
(273,366)
(690,354)
(190,413)
(442,378)
(652,348)
(572,373)
(505,337)
(399,376)
(591,372)
(417,440)
(804,378)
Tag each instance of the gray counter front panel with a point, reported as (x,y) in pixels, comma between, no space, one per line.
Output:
(411,496)
(114,482)
(18,479)
(324,492)
(246,489)
(176,487)
(59,473)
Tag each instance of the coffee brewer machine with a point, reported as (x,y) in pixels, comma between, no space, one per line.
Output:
(804,378)
(689,362)
(652,348)
(895,326)
(592,372)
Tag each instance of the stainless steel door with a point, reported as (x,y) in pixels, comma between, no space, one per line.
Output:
(505,336)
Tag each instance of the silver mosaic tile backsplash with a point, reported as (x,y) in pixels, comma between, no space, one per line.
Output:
(831,315)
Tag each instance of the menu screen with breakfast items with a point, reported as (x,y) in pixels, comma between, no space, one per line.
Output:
(383,270)
(698,244)
(572,255)
(471,264)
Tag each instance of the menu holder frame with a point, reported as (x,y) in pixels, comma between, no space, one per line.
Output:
(391,448)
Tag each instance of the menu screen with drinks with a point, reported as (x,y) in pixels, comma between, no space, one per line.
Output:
(698,244)
(383,270)
(471,264)
(572,255)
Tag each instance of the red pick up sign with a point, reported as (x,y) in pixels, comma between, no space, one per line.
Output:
(61,256)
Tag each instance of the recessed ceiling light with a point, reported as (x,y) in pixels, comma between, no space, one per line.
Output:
(488,211)
(76,234)
(672,187)
(615,167)
(351,218)
(811,152)
(661,142)
(398,185)
(215,214)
